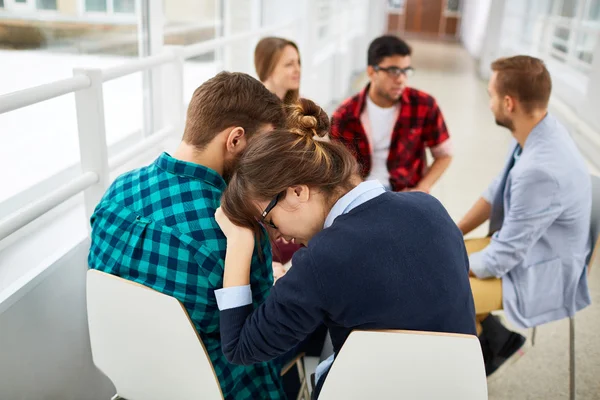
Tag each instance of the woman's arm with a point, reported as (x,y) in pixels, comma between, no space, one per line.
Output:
(291,312)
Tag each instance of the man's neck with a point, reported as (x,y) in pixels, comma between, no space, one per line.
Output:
(279,92)
(380,101)
(206,157)
(525,125)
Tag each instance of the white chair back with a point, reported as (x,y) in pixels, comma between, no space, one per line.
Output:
(407,365)
(595,221)
(145,342)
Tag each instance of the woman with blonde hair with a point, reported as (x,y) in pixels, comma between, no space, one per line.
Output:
(277,64)
(374,259)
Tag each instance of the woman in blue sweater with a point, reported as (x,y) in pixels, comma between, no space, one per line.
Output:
(374,259)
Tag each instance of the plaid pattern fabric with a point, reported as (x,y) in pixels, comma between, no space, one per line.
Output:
(420,124)
(156,226)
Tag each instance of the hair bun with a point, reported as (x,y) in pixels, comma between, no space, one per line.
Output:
(307,119)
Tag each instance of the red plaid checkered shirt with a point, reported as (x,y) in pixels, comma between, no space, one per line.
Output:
(420,124)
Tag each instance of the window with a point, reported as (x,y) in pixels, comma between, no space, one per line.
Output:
(453,6)
(47,132)
(45,4)
(569,8)
(110,6)
(593,12)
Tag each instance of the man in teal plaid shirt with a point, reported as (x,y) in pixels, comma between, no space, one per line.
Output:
(155,225)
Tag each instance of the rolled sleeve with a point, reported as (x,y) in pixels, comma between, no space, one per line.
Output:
(491,190)
(233,297)
(478,267)
(534,207)
(444,149)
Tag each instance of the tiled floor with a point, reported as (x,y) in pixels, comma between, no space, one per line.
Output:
(447,72)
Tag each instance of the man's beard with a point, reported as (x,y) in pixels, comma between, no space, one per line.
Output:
(389,97)
(505,122)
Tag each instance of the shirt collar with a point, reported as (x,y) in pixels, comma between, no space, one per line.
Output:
(540,130)
(361,194)
(190,170)
(362,99)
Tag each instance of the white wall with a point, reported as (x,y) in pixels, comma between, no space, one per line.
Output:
(592,102)
(473,24)
(44,342)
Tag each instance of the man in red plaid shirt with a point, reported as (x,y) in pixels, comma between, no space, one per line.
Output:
(388,125)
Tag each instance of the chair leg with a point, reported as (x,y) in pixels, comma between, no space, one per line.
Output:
(303,393)
(533,332)
(572,358)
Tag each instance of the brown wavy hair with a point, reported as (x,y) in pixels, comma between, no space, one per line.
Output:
(266,56)
(277,160)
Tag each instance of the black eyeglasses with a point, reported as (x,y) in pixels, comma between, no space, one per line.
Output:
(395,72)
(271,205)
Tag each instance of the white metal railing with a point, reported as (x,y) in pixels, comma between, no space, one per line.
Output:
(32,211)
(87,85)
(27,97)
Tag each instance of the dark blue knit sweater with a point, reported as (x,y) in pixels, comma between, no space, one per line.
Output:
(397,261)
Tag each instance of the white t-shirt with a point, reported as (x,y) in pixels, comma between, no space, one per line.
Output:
(382,121)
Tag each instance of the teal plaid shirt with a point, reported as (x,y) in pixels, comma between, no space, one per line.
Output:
(156,226)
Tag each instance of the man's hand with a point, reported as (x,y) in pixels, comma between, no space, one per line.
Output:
(278,270)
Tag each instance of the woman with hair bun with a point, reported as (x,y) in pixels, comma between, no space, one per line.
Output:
(373,259)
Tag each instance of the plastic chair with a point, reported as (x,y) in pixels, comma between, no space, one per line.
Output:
(145,342)
(407,365)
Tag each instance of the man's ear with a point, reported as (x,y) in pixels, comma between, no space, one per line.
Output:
(509,104)
(236,140)
(371,72)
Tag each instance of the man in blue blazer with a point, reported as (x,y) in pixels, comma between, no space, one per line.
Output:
(534,264)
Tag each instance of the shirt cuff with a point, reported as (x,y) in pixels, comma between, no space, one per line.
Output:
(233,297)
(478,267)
(444,149)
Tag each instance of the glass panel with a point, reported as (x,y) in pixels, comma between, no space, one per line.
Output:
(568,8)
(45,4)
(560,41)
(124,6)
(40,140)
(395,5)
(195,21)
(123,107)
(453,6)
(2,3)
(96,5)
(585,47)
(323,20)
(594,11)
(37,141)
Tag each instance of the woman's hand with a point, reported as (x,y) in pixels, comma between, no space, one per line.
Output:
(238,258)
(234,233)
